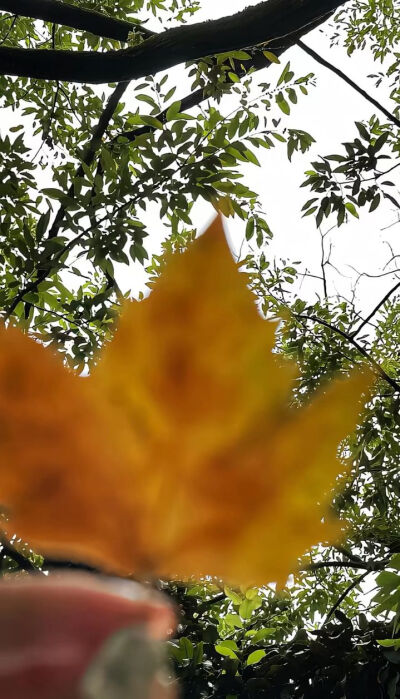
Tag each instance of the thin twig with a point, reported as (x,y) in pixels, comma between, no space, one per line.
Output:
(379,370)
(7,34)
(22,561)
(344,594)
(349,81)
(91,151)
(376,309)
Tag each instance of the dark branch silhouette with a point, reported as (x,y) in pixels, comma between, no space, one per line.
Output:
(376,309)
(362,565)
(344,594)
(349,81)
(91,150)
(265,22)
(74,17)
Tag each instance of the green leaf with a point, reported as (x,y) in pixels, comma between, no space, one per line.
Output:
(250,229)
(380,142)
(255,657)
(248,606)
(390,643)
(151,121)
(186,647)
(42,224)
(271,57)
(388,581)
(283,74)
(282,104)
(249,155)
(53,193)
(173,110)
(308,203)
(262,634)
(363,131)
(234,596)
(351,209)
(375,202)
(395,561)
(227,649)
(233,620)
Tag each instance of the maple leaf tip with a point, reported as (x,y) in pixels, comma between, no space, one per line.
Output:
(216,228)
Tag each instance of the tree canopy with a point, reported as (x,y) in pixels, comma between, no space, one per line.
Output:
(101,141)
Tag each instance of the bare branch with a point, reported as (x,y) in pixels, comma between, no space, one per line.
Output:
(349,81)
(376,309)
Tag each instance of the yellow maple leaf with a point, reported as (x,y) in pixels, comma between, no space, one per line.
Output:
(224,205)
(179,456)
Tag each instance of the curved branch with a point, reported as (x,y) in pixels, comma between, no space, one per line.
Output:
(257,62)
(261,23)
(205,606)
(74,17)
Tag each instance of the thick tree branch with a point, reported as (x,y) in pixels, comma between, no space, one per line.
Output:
(348,554)
(195,98)
(362,565)
(74,17)
(60,564)
(262,23)
(258,62)
(349,81)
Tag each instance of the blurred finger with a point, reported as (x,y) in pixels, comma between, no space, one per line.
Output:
(52,629)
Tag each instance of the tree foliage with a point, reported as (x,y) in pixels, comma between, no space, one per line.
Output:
(81,169)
